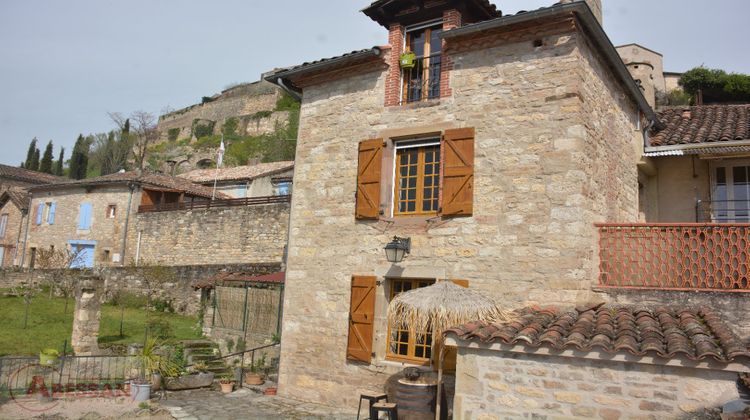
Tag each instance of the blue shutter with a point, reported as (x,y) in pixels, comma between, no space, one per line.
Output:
(84,217)
(51,216)
(39,213)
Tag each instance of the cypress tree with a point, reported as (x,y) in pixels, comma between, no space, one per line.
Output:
(46,164)
(79,159)
(126,127)
(34,166)
(30,154)
(59,163)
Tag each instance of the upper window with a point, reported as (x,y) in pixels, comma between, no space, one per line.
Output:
(421,79)
(417,177)
(3,224)
(111,211)
(433,176)
(731,193)
(282,187)
(406,345)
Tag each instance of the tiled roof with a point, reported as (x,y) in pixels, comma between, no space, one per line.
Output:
(481,6)
(666,332)
(17,196)
(147,178)
(238,173)
(702,124)
(25,175)
(229,278)
(322,64)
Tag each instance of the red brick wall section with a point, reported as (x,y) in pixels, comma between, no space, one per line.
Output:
(393,80)
(451,20)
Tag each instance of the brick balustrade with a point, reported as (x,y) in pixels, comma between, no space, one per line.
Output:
(709,257)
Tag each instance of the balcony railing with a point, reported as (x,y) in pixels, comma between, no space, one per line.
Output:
(723,211)
(423,81)
(707,257)
(207,204)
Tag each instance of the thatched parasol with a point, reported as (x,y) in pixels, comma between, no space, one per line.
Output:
(437,308)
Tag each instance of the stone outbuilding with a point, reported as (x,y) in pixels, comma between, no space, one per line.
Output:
(14,208)
(253,180)
(598,361)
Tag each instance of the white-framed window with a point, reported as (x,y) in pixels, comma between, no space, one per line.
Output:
(730,191)
(3,224)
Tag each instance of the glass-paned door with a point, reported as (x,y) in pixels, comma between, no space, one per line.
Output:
(731,194)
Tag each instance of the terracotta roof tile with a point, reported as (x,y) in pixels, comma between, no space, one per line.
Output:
(25,175)
(238,173)
(18,196)
(146,178)
(702,124)
(665,331)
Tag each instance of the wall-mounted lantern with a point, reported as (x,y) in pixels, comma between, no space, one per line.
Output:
(397,249)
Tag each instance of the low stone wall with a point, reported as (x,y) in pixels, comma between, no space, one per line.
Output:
(734,306)
(177,286)
(12,277)
(494,384)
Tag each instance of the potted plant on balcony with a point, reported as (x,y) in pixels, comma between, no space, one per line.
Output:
(407,60)
(227,383)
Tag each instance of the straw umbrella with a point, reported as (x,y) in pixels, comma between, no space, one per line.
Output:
(437,308)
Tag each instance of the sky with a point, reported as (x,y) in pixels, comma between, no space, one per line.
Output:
(65,64)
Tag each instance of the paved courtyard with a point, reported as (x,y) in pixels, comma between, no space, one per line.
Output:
(244,404)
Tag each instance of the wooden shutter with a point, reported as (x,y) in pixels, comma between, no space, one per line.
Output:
(361,317)
(368,179)
(462,283)
(51,216)
(458,172)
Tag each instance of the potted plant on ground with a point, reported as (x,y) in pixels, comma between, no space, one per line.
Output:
(48,357)
(227,383)
(255,376)
(152,364)
(197,377)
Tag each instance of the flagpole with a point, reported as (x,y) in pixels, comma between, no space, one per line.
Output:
(218,164)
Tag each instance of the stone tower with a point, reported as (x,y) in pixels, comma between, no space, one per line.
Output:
(594,5)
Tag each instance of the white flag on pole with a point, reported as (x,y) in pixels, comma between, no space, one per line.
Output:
(220,158)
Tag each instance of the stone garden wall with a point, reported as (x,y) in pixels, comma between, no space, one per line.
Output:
(176,287)
(496,385)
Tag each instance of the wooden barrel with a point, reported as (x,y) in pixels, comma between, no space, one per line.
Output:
(416,401)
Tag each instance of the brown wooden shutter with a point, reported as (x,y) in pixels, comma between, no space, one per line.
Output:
(462,283)
(368,179)
(361,317)
(458,172)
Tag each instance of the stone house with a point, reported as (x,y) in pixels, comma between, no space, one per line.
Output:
(14,208)
(254,180)
(495,149)
(93,215)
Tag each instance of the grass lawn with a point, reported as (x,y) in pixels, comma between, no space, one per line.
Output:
(49,327)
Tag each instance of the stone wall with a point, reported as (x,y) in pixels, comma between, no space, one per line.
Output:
(549,134)
(177,287)
(249,234)
(498,385)
(243,100)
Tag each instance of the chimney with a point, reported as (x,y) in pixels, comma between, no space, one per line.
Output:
(594,5)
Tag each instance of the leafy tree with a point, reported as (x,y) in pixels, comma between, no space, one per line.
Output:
(79,159)
(109,152)
(46,164)
(716,85)
(59,164)
(141,133)
(34,165)
(30,154)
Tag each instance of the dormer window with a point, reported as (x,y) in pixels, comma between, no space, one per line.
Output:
(422,81)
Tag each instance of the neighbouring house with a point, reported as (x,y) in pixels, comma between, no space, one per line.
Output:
(95,216)
(493,142)
(254,180)
(10,176)
(14,208)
